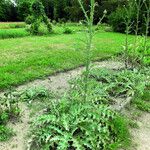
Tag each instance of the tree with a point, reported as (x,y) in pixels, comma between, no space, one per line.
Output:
(37,18)
(8,11)
(23,7)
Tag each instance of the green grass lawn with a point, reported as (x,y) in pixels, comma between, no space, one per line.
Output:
(28,58)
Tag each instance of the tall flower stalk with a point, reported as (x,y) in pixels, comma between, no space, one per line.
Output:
(138,5)
(90,34)
(128,24)
(147,24)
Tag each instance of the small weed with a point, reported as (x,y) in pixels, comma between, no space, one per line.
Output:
(142,102)
(9,110)
(5,133)
(36,93)
(133,124)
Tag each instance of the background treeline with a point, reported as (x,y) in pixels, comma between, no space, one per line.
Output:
(69,10)
(17,10)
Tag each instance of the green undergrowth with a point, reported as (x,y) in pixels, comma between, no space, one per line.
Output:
(70,122)
(5,133)
(9,111)
(105,85)
(143,102)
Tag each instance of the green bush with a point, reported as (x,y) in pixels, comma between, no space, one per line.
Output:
(116,20)
(29,20)
(67,30)
(38,21)
(42,29)
(5,133)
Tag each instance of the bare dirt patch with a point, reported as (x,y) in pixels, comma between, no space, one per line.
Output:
(141,136)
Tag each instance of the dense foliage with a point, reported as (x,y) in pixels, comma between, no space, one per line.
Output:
(118,17)
(64,10)
(55,9)
(8,12)
(38,21)
(72,124)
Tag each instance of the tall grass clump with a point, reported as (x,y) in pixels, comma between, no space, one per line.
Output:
(12,33)
(12,25)
(146,48)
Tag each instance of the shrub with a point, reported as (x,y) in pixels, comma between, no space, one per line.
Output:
(37,19)
(29,20)
(116,20)
(67,30)
(42,30)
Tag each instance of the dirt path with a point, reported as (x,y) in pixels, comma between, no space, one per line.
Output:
(141,136)
(59,82)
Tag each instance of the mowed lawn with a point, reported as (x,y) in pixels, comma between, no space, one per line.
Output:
(32,57)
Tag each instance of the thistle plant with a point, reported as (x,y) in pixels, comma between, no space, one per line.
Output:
(90,34)
(128,24)
(134,56)
(147,23)
(138,5)
(136,53)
